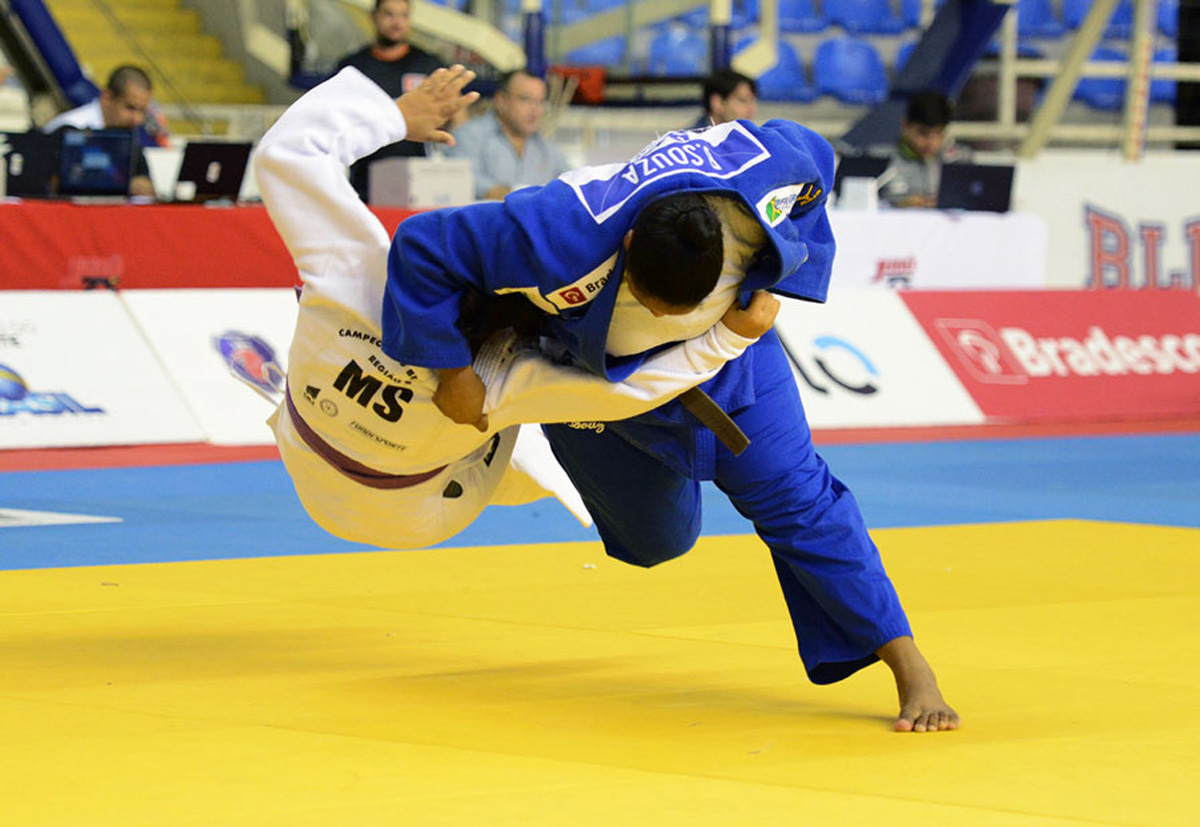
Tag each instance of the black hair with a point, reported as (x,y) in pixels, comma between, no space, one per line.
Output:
(125,76)
(504,84)
(929,108)
(723,83)
(677,250)
(379,3)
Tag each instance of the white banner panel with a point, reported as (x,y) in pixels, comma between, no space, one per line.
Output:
(74,370)
(862,360)
(1116,224)
(198,332)
(938,250)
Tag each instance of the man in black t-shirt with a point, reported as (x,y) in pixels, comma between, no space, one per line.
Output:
(397,67)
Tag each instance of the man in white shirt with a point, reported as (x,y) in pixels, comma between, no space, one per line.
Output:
(122,105)
(505,146)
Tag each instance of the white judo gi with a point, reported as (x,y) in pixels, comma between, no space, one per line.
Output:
(371,457)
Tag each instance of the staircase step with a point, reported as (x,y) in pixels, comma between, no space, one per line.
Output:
(103,47)
(185,127)
(202,92)
(56,6)
(186,65)
(179,70)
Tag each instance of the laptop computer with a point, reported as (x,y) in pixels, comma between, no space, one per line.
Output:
(858,166)
(975,187)
(29,160)
(95,162)
(212,171)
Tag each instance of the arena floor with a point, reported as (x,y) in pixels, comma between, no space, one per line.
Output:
(210,658)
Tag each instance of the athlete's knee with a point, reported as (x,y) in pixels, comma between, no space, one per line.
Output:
(651,548)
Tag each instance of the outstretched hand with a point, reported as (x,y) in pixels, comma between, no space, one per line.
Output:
(756,318)
(435,101)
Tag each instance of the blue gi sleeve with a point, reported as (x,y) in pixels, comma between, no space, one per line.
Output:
(436,257)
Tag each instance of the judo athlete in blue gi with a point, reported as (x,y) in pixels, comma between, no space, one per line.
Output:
(624,259)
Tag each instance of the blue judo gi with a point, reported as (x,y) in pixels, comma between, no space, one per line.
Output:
(560,246)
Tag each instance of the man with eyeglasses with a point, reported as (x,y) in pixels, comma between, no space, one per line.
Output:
(504,146)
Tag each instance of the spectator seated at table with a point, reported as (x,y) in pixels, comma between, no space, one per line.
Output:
(915,172)
(122,105)
(505,146)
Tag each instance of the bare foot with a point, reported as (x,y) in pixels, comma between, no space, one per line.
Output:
(922,708)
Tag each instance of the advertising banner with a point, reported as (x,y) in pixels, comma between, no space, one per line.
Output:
(1114,224)
(1069,354)
(74,370)
(55,245)
(928,249)
(227,350)
(862,361)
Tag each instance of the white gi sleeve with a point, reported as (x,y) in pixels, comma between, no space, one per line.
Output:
(301,168)
(532,389)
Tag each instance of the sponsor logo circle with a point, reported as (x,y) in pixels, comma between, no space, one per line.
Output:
(12,386)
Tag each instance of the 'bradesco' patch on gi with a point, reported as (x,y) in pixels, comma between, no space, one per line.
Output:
(719,152)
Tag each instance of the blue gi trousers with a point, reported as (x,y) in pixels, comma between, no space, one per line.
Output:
(842,604)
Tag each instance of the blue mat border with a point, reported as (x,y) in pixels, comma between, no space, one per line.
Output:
(248,509)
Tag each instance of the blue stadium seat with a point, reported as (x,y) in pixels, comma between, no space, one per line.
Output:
(1168,17)
(902,55)
(910,11)
(570,14)
(787,80)
(864,16)
(1163,91)
(1121,24)
(677,51)
(851,70)
(1103,93)
(1023,50)
(607,52)
(744,13)
(800,16)
(1036,18)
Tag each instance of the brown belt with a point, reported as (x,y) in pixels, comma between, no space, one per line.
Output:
(701,406)
(348,467)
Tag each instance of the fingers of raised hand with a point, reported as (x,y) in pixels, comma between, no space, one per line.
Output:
(460,76)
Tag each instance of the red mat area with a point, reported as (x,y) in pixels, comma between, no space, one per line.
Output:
(195,453)
(1013,430)
(128,456)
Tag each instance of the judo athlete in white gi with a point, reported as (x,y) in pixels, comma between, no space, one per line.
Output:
(625,259)
(371,458)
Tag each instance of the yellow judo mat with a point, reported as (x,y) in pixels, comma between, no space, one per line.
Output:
(547,685)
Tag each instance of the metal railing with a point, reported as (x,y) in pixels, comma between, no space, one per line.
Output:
(480,35)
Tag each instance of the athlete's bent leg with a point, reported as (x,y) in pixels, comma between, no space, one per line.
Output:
(645,512)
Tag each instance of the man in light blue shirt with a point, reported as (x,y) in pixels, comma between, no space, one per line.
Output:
(504,146)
